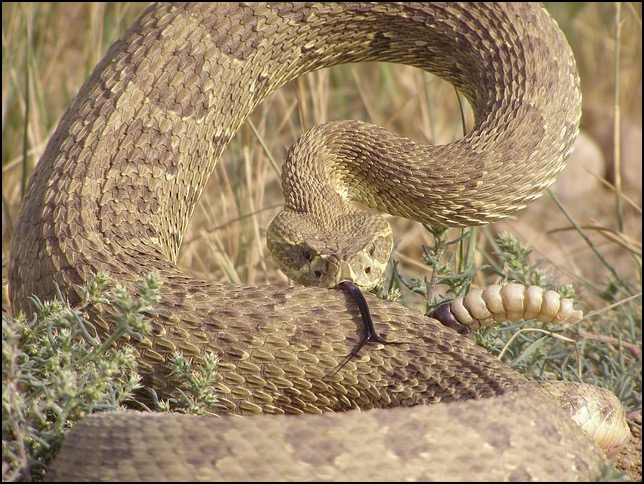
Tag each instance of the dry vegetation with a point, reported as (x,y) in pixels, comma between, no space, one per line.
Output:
(591,237)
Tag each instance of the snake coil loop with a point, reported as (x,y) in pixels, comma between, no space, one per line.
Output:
(116,186)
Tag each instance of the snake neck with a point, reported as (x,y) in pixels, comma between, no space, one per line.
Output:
(341,162)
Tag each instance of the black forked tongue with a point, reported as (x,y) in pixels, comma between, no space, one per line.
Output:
(370,334)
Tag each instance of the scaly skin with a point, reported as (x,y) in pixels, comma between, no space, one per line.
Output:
(120,178)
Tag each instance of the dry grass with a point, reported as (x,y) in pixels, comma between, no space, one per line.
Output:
(50,49)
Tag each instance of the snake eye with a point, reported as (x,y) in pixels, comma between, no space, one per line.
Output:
(372,249)
(306,253)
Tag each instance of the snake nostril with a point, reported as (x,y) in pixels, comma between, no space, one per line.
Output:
(317,274)
(367,270)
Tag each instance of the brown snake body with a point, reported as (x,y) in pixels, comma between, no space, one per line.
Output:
(122,173)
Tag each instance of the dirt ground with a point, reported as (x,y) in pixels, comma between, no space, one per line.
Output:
(629,460)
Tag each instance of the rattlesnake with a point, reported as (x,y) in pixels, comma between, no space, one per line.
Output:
(122,173)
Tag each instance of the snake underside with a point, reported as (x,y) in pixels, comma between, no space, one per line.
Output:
(121,176)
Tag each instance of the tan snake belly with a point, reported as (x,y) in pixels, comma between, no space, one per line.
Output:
(121,176)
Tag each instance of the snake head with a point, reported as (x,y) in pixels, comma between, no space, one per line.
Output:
(325,251)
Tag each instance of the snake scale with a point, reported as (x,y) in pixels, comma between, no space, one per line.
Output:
(122,173)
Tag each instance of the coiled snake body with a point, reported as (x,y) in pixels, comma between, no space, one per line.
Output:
(121,176)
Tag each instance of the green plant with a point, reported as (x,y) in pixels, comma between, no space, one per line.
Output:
(57,370)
